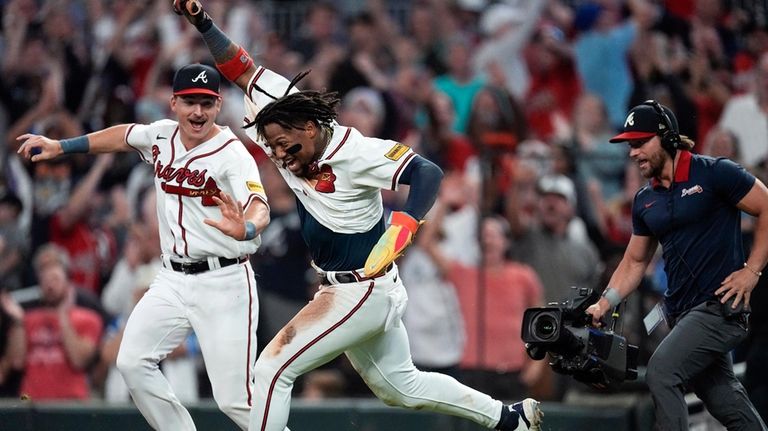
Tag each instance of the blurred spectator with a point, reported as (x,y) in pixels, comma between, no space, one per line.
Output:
(363,108)
(659,64)
(493,297)
(440,143)
(427,25)
(459,82)
(601,50)
(507,29)
(367,59)
(436,330)
(76,228)
(62,337)
(320,29)
(555,85)
(598,162)
(12,345)
(409,92)
(723,143)
(745,116)
(140,260)
(557,242)
(496,126)
(14,243)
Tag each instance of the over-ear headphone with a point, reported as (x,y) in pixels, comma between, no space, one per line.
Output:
(670,140)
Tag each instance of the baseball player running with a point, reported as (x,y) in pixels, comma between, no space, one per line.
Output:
(336,174)
(211,208)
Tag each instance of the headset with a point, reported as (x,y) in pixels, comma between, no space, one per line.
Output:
(670,140)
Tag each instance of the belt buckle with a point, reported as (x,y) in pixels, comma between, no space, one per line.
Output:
(186,267)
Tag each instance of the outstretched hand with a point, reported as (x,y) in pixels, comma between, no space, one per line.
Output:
(38,147)
(232,221)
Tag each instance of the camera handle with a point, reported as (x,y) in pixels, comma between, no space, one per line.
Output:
(615,317)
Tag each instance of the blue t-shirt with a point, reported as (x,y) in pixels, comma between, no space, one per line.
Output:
(601,60)
(462,96)
(698,225)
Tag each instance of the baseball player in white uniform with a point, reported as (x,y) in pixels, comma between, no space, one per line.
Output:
(211,208)
(336,174)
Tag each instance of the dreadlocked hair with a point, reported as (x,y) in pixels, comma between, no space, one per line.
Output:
(294,110)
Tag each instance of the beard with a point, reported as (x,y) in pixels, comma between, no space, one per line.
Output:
(655,165)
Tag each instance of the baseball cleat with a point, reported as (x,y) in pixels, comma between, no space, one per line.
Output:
(530,415)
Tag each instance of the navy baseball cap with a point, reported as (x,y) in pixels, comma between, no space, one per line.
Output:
(196,79)
(644,121)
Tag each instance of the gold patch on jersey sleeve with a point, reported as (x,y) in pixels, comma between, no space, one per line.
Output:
(397,151)
(254,186)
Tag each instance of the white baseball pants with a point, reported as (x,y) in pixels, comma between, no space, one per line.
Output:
(221,306)
(362,320)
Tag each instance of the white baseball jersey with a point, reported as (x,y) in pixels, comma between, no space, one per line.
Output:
(218,303)
(358,316)
(355,166)
(186,182)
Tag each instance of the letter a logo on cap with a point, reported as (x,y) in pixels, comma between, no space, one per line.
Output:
(201,77)
(630,119)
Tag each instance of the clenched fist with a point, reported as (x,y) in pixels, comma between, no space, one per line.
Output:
(192,11)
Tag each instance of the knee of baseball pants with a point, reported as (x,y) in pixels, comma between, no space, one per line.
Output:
(266,370)
(401,390)
(133,367)
(232,401)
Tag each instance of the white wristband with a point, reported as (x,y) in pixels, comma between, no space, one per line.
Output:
(612,296)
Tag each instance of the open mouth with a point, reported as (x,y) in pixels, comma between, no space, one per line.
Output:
(197,125)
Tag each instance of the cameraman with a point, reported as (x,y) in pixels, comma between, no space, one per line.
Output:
(692,206)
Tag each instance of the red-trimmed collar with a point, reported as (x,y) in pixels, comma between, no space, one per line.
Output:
(682,170)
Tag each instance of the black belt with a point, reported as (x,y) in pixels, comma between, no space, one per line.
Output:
(199,266)
(343,277)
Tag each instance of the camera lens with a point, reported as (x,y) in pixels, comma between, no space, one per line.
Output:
(545,326)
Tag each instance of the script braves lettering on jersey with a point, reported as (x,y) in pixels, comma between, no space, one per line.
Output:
(692,190)
(182,174)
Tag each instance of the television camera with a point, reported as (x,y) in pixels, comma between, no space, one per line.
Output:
(600,358)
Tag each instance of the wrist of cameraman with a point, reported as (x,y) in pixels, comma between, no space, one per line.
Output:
(612,296)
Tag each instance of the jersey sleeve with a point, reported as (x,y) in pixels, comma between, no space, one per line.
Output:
(732,181)
(379,163)
(140,137)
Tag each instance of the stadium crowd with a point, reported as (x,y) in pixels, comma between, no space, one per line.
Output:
(515,100)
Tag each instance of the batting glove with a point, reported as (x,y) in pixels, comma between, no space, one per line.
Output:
(398,236)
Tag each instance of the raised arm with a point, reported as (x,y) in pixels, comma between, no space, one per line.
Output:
(231,59)
(38,147)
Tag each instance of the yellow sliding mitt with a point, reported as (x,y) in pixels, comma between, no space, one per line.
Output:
(392,244)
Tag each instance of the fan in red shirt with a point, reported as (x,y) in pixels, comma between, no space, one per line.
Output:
(62,338)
